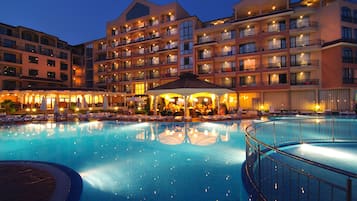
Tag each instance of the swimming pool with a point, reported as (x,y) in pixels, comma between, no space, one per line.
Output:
(138,160)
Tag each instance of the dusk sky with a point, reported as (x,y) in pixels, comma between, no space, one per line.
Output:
(77,21)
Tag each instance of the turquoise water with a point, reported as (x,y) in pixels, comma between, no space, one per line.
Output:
(140,160)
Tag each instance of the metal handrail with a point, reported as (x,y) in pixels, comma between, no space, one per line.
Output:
(250,133)
(324,166)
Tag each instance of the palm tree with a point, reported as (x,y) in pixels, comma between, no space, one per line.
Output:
(9,106)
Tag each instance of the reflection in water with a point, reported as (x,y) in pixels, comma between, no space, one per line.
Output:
(203,134)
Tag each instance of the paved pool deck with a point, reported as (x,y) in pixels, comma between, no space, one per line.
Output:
(38,181)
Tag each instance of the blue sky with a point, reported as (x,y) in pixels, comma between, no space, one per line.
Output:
(77,21)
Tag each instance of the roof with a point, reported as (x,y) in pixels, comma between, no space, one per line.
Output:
(188,84)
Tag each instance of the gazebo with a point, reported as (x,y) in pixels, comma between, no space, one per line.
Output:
(187,85)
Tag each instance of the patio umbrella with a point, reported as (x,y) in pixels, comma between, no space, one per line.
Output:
(84,103)
(55,107)
(43,106)
(105,103)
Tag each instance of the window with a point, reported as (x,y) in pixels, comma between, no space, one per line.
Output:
(9,43)
(276,61)
(64,66)
(51,62)
(346,33)
(301,22)
(347,76)
(277,79)
(276,27)
(33,59)
(247,80)
(46,51)
(63,55)
(186,63)
(10,57)
(247,48)
(227,35)
(9,71)
(51,75)
(346,14)
(186,47)
(186,31)
(33,72)
(300,59)
(64,77)
(30,48)
(277,44)
(347,55)
(247,31)
(247,64)
(139,88)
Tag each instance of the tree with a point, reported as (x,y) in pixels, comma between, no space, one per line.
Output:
(9,106)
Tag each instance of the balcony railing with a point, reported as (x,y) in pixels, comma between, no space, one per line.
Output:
(274,65)
(309,24)
(349,80)
(17,61)
(227,70)
(305,82)
(308,43)
(305,63)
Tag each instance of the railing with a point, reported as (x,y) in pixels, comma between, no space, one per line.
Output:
(305,63)
(274,173)
(305,82)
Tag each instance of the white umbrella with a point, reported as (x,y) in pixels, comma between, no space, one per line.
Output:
(105,103)
(55,107)
(43,106)
(84,103)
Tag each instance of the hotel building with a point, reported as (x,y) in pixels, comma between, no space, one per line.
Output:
(35,65)
(275,55)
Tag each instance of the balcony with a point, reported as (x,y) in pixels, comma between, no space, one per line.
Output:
(308,26)
(227,70)
(16,61)
(204,71)
(226,54)
(310,63)
(248,51)
(305,46)
(169,75)
(349,80)
(205,41)
(278,65)
(304,82)
(350,60)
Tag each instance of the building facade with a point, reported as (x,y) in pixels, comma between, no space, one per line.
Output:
(275,55)
(31,59)
(278,55)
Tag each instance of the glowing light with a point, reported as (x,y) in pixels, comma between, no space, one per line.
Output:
(328,152)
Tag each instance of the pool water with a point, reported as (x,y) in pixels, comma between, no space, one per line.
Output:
(139,160)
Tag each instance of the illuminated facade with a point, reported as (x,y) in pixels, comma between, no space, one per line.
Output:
(277,55)
(280,55)
(31,59)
